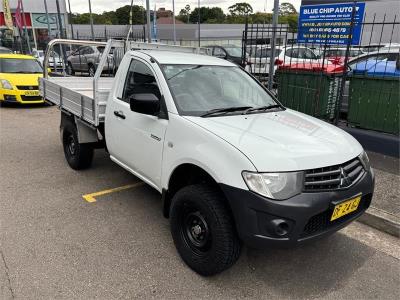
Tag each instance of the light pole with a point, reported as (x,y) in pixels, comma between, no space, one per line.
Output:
(198,4)
(91,19)
(25,29)
(274,29)
(173,20)
(48,20)
(148,21)
(70,20)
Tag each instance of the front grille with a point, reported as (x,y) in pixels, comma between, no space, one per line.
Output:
(31,98)
(321,221)
(28,87)
(333,177)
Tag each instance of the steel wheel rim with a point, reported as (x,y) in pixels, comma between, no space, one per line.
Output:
(71,145)
(196,232)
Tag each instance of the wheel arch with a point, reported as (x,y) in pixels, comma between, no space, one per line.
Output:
(183,175)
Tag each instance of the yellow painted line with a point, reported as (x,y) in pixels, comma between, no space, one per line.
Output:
(92,197)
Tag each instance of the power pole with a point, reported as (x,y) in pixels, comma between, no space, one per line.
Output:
(25,29)
(199,18)
(48,20)
(60,26)
(61,34)
(173,20)
(91,19)
(70,19)
(273,42)
(148,21)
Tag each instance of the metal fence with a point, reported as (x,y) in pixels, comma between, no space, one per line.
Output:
(356,85)
(134,35)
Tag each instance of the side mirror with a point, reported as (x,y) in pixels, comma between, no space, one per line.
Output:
(147,104)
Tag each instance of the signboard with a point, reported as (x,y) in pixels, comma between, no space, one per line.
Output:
(330,24)
(40,21)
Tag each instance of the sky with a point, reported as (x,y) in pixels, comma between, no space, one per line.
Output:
(98,6)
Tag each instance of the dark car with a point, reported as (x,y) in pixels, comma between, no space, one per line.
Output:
(229,52)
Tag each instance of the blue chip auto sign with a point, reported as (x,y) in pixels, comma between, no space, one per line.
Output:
(330,24)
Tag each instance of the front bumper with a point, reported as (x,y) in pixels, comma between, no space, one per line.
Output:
(19,96)
(306,216)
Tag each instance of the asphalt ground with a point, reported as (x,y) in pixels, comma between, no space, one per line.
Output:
(56,244)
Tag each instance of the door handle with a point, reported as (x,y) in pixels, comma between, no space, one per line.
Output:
(119,114)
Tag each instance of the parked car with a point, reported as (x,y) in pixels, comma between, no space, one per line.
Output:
(231,53)
(382,54)
(4,50)
(86,59)
(337,56)
(230,162)
(258,63)
(55,61)
(366,62)
(19,75)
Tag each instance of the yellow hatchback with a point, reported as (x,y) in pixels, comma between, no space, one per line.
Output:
(19,79)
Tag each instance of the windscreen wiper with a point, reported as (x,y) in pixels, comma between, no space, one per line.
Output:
(224,110)
(266,107)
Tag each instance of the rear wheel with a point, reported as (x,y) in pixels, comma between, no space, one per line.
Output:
(79,156)
(203,230)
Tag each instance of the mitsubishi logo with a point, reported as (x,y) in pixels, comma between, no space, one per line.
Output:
(344,178)
(31,87)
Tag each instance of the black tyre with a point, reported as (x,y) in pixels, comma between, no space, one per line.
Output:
(79,156)
(91,70)
(70,69)
(203,230)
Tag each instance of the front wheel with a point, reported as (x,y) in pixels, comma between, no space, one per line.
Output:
(70,69)
(79,156)
(203,229)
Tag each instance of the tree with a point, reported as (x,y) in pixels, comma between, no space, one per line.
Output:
(122,14)
(184,14)
(207,15)
(286,9)
(261,18)
(292,20)
(240,9)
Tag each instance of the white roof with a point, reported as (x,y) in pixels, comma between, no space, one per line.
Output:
(179,58)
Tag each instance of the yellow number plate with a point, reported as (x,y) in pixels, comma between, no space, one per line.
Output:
(32,93)
(345,208)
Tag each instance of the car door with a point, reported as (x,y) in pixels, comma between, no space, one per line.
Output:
(220,53)
(291,56)
(137,139)
(75,59)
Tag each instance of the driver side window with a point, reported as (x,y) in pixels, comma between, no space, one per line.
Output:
(140,80)
(219,52)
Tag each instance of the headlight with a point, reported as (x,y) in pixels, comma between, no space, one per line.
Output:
(5,84)
(365,160)
(278,186)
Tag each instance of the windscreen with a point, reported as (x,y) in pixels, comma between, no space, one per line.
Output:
(14,65)
(234,51)
(198,89)
(266,52)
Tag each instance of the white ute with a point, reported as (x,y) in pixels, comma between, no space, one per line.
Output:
(231,163)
